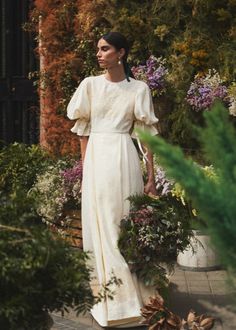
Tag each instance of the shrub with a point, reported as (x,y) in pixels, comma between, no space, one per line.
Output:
(19,165)
(38,273)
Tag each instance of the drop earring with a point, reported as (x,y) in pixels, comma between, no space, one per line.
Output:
(119,62)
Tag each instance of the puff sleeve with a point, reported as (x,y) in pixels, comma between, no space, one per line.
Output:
(145,118)
(79,108)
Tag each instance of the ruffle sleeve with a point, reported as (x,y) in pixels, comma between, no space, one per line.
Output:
(79,108)
(145,118)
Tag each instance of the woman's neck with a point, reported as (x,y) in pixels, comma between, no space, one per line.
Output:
(116,73)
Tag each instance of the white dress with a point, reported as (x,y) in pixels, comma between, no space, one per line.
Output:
(107,112)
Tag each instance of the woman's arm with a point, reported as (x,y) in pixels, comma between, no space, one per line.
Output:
(150,187)
(83,145)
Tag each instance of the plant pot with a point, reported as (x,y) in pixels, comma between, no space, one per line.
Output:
(73,228)
(200,255)
(70,228)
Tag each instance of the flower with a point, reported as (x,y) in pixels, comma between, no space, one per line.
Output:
(57,190)
(204,90)
(72,178)
(232,99)
(153,73)
(163,185)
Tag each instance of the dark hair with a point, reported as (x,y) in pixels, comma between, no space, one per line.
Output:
(117,40)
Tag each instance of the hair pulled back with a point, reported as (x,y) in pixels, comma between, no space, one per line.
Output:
(118,40)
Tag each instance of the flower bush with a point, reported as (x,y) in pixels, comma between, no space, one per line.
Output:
(151,236)
(205,89)
(57,190)
(153,73)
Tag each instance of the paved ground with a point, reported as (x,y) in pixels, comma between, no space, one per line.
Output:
(197,290)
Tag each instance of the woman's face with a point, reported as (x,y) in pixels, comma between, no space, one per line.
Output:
(107,55)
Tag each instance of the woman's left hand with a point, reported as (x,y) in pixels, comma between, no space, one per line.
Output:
(150,188)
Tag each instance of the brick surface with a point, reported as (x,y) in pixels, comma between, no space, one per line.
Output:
(196,276)
(188,290)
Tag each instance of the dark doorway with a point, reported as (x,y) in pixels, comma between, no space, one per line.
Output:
(19,105)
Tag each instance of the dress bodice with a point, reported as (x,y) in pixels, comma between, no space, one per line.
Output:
(102,106)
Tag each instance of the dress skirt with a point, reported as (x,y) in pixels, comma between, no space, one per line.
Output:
(111,174)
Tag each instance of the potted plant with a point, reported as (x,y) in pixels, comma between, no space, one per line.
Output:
(199,255)
(152,235)
(58,194)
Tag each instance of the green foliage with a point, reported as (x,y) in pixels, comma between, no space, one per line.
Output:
(213,199)
(19,164)
(152,235)
(38,273)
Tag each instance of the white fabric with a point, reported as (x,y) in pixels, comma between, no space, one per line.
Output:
(107,112)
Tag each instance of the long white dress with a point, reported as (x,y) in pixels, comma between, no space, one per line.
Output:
(107,112)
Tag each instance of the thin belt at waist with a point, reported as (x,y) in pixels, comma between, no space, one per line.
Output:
(109,132)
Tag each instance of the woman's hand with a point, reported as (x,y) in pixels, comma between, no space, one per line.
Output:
(150,188)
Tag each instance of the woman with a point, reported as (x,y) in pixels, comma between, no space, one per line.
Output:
(107,108)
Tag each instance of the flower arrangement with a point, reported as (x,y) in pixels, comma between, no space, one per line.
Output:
(205,89)
(153,73)
(57,190)
(151,236)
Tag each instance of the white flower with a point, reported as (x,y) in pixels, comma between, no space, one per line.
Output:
(232,107)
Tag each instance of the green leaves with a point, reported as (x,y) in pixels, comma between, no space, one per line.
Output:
(19,165)
(38,272)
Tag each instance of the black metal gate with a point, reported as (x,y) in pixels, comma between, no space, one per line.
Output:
(19,106)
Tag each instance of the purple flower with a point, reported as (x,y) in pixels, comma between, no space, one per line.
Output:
(71,175)
(142,216)
(72,178)
(204,90)
(153,73)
